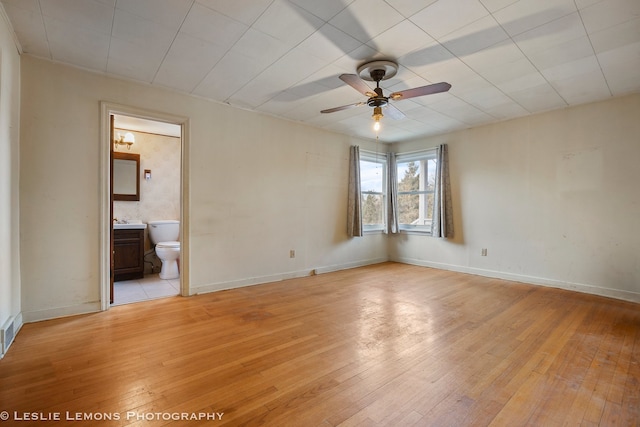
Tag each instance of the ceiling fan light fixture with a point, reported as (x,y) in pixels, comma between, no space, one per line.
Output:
(377,115)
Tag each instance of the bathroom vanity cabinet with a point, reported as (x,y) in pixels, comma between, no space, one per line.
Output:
(128,254)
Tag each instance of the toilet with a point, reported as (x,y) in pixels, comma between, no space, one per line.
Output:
(165,235)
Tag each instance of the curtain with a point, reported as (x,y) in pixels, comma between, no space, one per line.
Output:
(354,204)
(442,224)
(392,194)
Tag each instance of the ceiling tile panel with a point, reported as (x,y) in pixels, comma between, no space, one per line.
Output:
(329,43)
(486,97)
(408,8)
(278,77)
(452,71)
(617,36)
(169,13)
(244,11)
(229,75)
(401,39)
(212,27)
(444,16)
(561,53)
(133,61)
(261,48)
(76,45)
(584,86)
(423,58)
(89,14)
(538,98)
(525,15)
(322,80)
(478,35)
(142,32)
(571,69)
(32,5)
(351,61)
(365,19)
(188,61)
(28,25)
(494,58)
(292,68)
(516,76)
(620,67)
(507,111)
(586,3)
(281,103)
(495,5)
(557,32)
(287,22)
(325,9)
(607,14)
(137,46)
(461,110)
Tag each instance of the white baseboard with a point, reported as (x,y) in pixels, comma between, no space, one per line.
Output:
(250,281)
(346,266)
(52,313)
(232,284)
(552,283)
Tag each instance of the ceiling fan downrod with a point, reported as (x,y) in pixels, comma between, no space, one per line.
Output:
(379,100)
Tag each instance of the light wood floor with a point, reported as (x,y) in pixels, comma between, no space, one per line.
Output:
(390,345)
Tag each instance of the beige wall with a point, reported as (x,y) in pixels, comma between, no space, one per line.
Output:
(259,186)
(9,176)
(553,197)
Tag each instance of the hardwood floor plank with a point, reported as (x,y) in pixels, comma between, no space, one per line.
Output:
(382,345)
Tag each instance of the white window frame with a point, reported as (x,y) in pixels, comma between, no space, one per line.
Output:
(423,157)
(381,158)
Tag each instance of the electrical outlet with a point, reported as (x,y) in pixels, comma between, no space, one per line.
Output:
(292,253)
(484,252)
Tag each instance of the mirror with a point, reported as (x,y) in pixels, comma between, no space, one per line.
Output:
(126,176)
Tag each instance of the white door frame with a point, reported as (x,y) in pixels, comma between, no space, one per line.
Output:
(106,109)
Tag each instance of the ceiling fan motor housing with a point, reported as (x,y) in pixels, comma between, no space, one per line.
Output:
(378,101)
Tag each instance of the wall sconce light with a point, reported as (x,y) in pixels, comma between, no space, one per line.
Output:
(377,115)
(127,139)
(147,174)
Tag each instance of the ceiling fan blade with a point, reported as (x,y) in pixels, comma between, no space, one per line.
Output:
(344,107)
(420,91)
(358,84)
(393,112)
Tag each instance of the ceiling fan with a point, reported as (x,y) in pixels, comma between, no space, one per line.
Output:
(377,71)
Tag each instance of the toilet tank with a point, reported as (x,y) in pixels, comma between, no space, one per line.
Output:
(167,230)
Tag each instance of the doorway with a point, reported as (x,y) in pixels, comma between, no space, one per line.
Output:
(129,265)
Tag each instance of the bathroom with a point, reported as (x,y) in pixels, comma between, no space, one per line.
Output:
(158,145)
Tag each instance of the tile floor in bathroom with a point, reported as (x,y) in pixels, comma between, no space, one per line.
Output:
(150,287)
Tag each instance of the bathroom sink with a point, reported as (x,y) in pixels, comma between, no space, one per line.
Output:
(130,226)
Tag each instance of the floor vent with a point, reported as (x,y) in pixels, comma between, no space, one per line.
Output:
(7,334)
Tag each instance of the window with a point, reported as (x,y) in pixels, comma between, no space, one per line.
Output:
(373,171)
(416,184)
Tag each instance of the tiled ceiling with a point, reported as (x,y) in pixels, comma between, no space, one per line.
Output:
(503,58)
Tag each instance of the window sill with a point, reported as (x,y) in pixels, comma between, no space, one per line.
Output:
(376,231)
(415,231)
